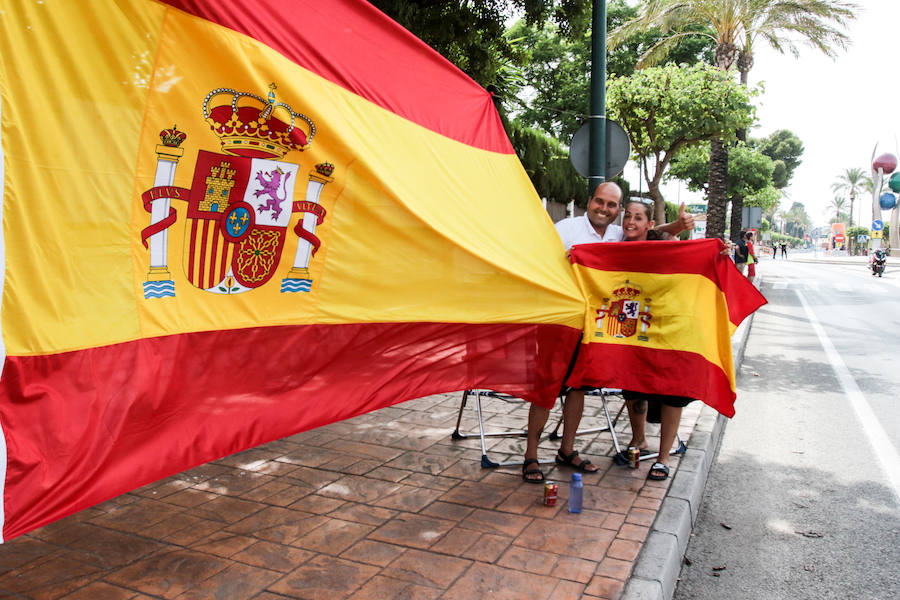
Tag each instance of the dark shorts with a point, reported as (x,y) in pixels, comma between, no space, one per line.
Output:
(676,401)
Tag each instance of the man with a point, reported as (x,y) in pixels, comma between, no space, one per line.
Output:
(741,252)
(596,225)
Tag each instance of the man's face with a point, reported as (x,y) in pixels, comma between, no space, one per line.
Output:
(603,207)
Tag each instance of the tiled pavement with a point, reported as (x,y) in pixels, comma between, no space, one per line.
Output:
(382,506)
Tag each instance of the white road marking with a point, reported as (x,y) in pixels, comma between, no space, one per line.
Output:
(875,433)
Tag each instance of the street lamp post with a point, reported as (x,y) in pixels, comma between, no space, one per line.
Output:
(597,150)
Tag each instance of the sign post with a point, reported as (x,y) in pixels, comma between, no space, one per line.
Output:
(598,97)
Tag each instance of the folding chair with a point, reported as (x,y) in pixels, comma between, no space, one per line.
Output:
(487,463)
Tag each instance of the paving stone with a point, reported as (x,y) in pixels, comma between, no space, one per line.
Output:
(333,536)
(615,568)
(427,569)
(528,560)
(590,543)
(168,574)
(276,557)
(605,587)
(374,553)
(324,577)
(491,581)
(379,588)
(415,531)
(493,522)
(488,548)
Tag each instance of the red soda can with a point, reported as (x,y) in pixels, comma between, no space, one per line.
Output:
(550,493)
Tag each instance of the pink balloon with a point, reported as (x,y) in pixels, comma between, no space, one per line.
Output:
(887,162)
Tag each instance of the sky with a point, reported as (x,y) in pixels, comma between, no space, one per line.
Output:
(840,108)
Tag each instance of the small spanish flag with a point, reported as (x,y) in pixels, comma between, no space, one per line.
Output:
(660,318)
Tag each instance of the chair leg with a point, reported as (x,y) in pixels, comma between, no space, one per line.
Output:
(456,435)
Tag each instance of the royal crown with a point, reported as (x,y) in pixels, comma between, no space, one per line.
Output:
(172,137)
(325,168)
(255,127)
(627,291)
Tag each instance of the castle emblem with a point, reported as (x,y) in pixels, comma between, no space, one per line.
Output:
(240,201)
(624,313)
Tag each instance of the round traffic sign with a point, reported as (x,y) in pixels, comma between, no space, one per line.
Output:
(839,238)
(877,225)
(618,147)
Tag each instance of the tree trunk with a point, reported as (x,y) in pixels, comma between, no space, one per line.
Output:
(745,62)
(737,208)
(659,203)
(716,199)
(737,200)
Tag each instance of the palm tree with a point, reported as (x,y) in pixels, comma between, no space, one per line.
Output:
(851,182)
(735,25)
(838,204)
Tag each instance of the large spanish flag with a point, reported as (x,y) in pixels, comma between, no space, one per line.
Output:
(227,222)
(660,319)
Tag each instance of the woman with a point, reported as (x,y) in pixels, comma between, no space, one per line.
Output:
(638,227)
(751,256)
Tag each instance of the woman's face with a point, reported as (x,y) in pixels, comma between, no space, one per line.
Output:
(636,222)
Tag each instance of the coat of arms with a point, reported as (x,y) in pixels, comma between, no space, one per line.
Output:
(624,313)
(240,201)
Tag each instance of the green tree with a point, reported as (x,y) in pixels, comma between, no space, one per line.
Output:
(853,234)
(470,33)
(736,25)
(796,221)
(852,182)
(665,109)
(750,173)
(558,68)
(547,164)
(785,150)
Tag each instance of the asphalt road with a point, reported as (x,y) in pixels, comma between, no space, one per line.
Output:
(803,500)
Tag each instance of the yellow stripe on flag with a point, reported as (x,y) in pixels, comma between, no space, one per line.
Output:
(416,227)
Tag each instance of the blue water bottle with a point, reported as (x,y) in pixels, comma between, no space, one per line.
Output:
(576,493)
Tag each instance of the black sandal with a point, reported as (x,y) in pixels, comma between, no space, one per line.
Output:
(562,459)
(536,471)
(658,472)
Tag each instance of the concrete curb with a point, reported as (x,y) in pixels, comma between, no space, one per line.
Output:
(658,565)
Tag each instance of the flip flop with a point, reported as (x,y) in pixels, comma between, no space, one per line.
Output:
(659,468)
(536,471)
(562,459)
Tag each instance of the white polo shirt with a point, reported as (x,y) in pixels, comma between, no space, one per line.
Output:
(578,230)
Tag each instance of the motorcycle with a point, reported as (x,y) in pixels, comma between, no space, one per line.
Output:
(879,258)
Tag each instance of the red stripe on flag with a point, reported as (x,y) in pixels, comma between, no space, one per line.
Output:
(227,250)
(191,260)
(353,44)
(697,257)
(654,371)
(214,258)
(82,427)
(201,274)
